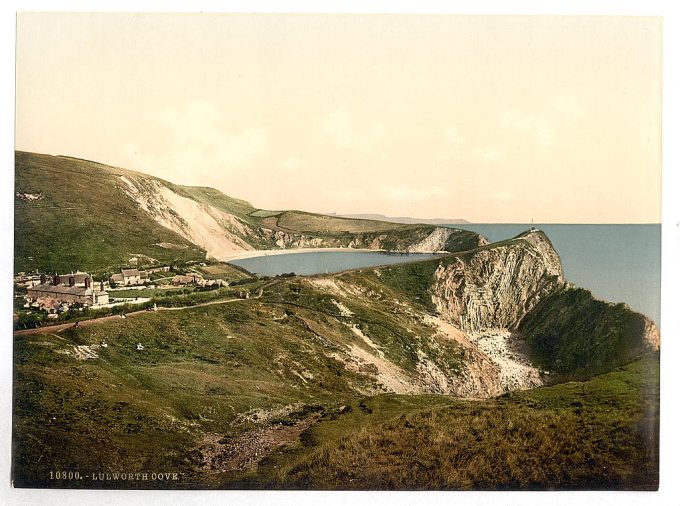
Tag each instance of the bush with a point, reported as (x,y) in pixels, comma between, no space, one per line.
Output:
(28,321)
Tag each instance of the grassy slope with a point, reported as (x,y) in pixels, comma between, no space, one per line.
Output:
(575,335)
(203,367)
(200,369)
(602,433)
(316,223)
(339,231)
(84,221)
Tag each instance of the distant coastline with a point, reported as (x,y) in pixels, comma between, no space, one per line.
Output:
(403,219)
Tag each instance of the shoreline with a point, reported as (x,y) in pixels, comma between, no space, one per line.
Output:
(273,252)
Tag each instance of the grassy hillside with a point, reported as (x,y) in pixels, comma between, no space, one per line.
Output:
(82,220)
(75,214)
(215,386)
(204,371)
(315,223)
(575,335)
(209,376)
(597,434)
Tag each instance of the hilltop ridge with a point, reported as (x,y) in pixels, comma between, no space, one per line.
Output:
(72,213)
(403,219)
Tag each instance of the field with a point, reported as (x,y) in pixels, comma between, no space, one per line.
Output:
(315,223)
(252,393)
(596,434)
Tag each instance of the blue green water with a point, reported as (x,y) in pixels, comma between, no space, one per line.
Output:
(323,261)
(617,263)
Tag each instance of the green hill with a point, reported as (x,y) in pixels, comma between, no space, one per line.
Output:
(576,335)
(330,382)
(412,376)
(597,434)
(80,219)
(76,214)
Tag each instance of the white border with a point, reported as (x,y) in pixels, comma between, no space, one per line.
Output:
(670,326)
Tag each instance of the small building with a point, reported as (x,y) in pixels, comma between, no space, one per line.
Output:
(165,268)
(116,279)
(188,279)
(129,277)
(77,278)
(64,289)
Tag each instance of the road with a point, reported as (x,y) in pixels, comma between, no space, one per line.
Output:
(94,321)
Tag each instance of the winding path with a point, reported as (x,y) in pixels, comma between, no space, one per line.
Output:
(93,321)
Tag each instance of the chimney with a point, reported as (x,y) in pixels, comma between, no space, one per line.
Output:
(55,279)
(71,281)
(43,279)
(101,285)
(88,281)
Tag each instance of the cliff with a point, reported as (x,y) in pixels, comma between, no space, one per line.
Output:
(494,287)
(516,321)
(518,286)
(78,214)
(574,334)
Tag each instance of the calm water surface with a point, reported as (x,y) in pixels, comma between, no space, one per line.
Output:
(323,261)
(617,263)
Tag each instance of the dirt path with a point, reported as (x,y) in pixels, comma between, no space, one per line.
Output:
(247,450)
(83,323)
(94,321)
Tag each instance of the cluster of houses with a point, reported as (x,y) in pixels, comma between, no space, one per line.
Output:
(57,292)
(129,277)
(197,280)
(62,290)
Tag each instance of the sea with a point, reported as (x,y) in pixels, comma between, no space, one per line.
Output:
(617,263)
(320,262)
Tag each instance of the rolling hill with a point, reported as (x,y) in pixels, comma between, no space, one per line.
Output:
(76,214)
(447,373)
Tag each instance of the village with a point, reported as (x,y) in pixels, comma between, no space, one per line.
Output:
(51,295)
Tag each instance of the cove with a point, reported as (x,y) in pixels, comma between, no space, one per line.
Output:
(323,262)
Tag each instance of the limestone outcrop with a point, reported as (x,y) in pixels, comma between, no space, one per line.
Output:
(221,233)
(494,287)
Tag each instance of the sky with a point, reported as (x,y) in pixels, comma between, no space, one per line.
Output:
(483,118)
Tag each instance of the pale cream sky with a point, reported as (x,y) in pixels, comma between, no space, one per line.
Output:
(489,119)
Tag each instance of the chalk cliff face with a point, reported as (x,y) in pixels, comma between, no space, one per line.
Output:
(221,234)
(218,232)
(414,241)
(511,301)
(493,288)
(478,298)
